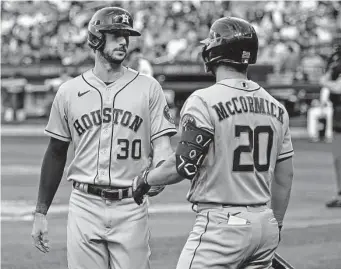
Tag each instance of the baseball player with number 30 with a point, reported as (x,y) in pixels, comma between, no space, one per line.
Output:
(236,149)
(115,119)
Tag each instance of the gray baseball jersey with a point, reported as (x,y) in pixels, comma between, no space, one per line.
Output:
(251,133)
(111,126)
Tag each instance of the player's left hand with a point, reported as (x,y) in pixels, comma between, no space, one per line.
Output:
(39,232)
(140,186)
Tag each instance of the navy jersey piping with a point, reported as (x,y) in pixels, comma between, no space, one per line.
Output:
(239,88)
(281,160)
(195,251)
(99,144)
(286,152)
(57,134)
(112,128)
(67,124)
(167,131)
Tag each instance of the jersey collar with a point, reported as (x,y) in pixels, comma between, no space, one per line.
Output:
(127,77)
(240,84)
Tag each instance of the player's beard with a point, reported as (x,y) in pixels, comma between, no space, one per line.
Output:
(112,60)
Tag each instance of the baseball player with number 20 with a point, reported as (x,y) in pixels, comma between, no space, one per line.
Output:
(236,149)
(115,119)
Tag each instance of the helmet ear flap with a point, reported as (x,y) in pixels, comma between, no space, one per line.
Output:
(209,60)
(96,39)
(205,54)
(96,42)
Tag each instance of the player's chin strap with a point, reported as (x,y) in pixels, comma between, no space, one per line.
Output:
(192,150)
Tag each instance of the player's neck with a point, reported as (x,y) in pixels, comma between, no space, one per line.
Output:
(223,72)
(108,72)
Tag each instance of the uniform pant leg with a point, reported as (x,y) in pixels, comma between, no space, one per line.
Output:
(128,239)
(215,244)
(312,121)
(328,111)
(268,241)
(86,248)
(336,148)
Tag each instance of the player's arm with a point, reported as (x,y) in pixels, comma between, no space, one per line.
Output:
(165,174)
(51,173)
(52,167)
(162,149)
(196,137)
(283,174)
(184,163)
(281,188)
(187,159)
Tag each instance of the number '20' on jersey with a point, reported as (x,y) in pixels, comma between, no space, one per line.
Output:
(111,126)
(251,134)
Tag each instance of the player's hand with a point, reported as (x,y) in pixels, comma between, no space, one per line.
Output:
(140,186)
(39,232)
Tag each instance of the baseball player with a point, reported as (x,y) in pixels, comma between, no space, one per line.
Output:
(115,118)
(319,112)
(332,81)
(236,150)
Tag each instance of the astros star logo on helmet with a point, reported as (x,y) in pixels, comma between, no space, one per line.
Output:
(125,18)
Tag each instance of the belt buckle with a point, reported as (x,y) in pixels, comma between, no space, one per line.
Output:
(103,194)
(119,191)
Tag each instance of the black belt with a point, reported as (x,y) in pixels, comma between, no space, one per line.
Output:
(106,192)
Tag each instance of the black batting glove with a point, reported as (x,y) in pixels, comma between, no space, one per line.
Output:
(140,186)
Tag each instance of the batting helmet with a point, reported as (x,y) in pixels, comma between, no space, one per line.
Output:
(109,19)
(231,40)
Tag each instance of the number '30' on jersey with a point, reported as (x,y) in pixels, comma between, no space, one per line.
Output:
(251,134)
(111,126)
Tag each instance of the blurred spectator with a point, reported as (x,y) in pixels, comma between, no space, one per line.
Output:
(136,61)
(36,31)
(313,65)
(12,101)
(291,59)
(52,84)
(320,118)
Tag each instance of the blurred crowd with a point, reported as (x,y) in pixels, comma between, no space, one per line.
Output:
(294,36)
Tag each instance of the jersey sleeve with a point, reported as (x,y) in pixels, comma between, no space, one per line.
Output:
(57,126)
(287,150)
(162,122)
(196,111)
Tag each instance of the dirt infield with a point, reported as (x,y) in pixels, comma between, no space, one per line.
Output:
(311,232)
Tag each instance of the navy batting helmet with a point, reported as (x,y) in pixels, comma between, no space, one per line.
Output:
(231,40)
(109,19)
